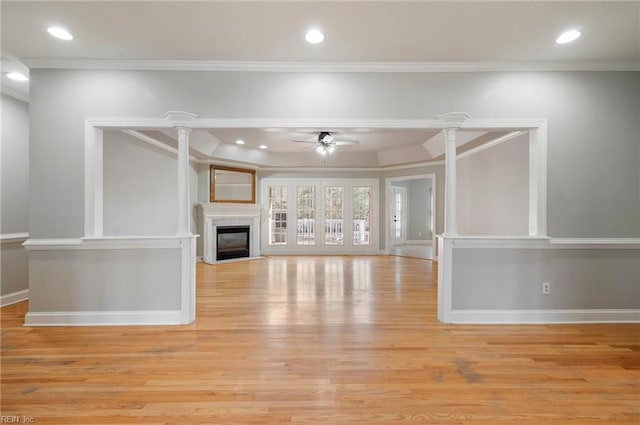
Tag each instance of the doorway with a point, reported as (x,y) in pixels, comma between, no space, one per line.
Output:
(411,216)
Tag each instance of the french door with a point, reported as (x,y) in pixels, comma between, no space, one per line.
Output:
(312,216)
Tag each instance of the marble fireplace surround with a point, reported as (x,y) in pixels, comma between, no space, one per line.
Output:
(214,215)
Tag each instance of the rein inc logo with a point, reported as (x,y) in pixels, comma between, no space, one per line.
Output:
(17,420)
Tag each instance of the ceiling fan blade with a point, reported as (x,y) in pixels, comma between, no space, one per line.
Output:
(345,142)
(305,141)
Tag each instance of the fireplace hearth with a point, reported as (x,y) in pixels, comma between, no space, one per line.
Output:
(232,242)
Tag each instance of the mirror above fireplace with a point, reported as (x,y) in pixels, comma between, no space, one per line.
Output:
(232,185)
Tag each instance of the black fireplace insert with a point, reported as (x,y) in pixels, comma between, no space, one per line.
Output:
(233,242)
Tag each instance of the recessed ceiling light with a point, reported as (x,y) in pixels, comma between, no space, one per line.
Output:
(263,146)
(239,142)
(314,37)
(16,76)
(568,36)
(59,32)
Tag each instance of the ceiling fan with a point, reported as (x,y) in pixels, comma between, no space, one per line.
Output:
(326,143)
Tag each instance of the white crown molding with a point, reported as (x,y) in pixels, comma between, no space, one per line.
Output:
(253,66)
(14,93)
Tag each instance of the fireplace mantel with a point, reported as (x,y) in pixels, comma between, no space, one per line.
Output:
(213,215)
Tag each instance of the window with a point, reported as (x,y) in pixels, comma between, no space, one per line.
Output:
(306,215)
(278,215)
(398,213)
(333,215)
(320,215)
(361,205)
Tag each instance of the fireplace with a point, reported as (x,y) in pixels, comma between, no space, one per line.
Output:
(232,242)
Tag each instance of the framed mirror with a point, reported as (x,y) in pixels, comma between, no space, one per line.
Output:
(232,185)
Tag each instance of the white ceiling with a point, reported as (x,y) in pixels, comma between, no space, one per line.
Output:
(356,31)
(415,31)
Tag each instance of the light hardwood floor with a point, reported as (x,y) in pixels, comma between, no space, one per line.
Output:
(320,340)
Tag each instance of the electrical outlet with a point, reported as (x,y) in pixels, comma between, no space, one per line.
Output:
(546,288)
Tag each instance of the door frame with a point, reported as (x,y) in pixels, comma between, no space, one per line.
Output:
(388,211)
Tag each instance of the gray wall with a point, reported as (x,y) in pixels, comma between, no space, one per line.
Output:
(14,186)
(593,126)
(511,279)
(104,280)
(419,207)
(140,187)
(438,170)
(14,193)
(493,190)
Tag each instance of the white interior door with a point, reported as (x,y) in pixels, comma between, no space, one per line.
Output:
(398,216)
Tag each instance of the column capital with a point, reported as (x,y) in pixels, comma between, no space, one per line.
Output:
(180,118)
(452,120)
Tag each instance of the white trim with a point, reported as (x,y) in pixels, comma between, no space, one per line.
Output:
(599,243)
(490,144)
(545,316)
(128,242)
(257,66)
(209,123)
(332,169)
(14,93)
(445,279)
(188,282)
(538,141)
(14,297)
(128,124)
(409,166)
(157,143)
(497,242)
(103,318)
(13,237)
(93,171)
(93,159)
(535,242)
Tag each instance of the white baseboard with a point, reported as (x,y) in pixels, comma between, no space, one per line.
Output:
(545,316)
(14,297)
(104,318)
(199,259)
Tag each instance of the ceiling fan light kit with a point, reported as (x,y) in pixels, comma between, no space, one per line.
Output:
(326,143)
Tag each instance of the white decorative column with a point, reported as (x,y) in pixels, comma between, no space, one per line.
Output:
(183,181)
(451,121)
(181,120)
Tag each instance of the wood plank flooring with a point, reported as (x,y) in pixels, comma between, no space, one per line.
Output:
(320,340)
